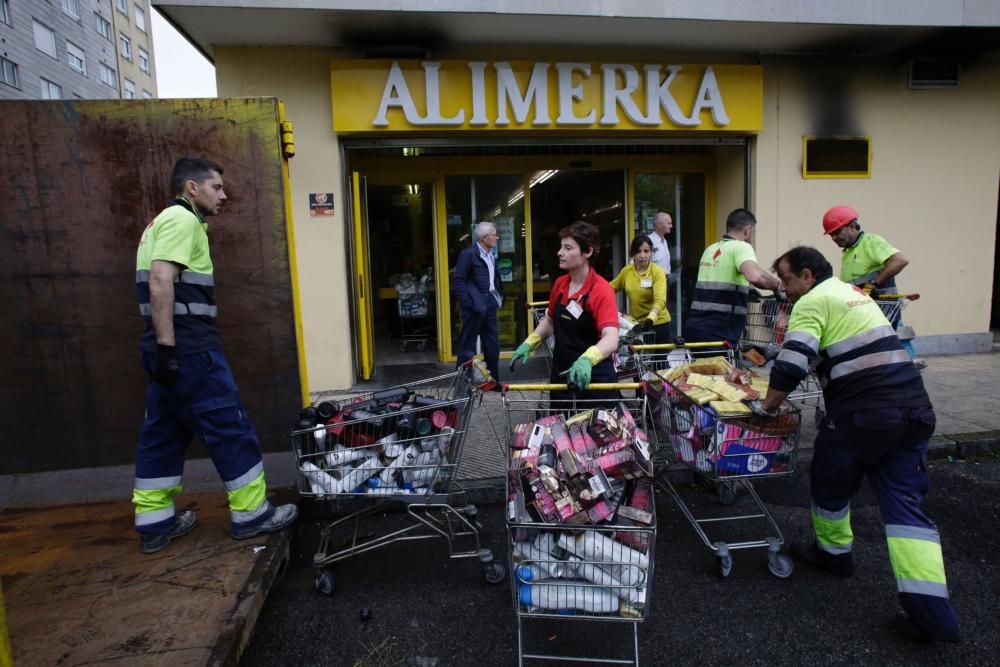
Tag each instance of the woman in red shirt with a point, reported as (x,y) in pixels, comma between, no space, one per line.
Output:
(583,317)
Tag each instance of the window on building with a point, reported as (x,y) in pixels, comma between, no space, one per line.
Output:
(76,58)
(71,7)
(9,72)
(45,39)
(126,46)
(103,26)
(122,6)
(146,95)
(50,91)
(144,60)
(5,12)
(129,90)
(108,76)
(140,18)
(836,157)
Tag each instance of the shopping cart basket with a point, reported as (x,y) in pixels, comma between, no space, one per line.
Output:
(763,336)
(892,305)
(399,446)
(581,520)
(413,300)
(538,310)
(729,450)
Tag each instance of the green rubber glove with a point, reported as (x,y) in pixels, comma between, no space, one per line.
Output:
(522,354)
(579,374)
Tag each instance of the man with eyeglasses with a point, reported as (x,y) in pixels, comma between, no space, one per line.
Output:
(477,286)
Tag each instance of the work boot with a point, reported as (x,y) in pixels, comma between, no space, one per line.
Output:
(282,516)
(809,553)
(907,629)
(184,523)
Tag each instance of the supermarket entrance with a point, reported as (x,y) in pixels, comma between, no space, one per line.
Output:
(419,205)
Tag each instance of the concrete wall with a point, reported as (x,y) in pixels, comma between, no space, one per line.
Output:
(301,79)
(933,186)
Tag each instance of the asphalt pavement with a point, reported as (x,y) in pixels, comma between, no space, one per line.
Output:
(424,610)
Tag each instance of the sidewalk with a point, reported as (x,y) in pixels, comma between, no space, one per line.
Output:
(78,591)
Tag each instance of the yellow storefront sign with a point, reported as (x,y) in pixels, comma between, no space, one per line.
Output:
(412,95)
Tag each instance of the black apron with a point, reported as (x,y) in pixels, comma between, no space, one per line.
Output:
(573,336)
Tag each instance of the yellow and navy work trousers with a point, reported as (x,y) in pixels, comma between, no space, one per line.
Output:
(889,447)
(204,402)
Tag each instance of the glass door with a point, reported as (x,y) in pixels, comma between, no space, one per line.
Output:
(561,197)
(499,199)
(682,196)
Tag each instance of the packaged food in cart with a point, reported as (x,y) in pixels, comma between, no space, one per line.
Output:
(581,519)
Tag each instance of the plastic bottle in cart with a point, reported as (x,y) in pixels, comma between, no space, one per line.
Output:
(444,441)
(320,482)
(540,552)
(530,573)
(409,455)
(355,477)
(558,596)
(423,476)
(594,546)
(602,577)
(342,455)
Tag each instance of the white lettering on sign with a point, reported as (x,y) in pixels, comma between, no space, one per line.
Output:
(507,89)
(570,78)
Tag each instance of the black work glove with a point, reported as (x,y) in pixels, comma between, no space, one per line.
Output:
(647,324)
(167,367)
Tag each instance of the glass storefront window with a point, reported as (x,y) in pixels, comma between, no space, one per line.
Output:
(683,197)
(498,199)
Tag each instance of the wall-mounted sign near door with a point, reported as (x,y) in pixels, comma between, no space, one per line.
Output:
(320,204)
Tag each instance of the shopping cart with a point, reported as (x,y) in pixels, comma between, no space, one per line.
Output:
(763,336)
(397,447)
(581,523)
(729,450)
(538,310)
(413,299)
(892,305)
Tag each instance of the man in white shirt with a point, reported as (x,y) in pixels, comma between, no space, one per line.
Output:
(662,226)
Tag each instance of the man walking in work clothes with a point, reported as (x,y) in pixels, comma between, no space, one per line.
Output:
(878,423)
(191,389)
(479,291)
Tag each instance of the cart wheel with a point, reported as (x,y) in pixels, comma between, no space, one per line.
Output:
(421,346)
(727,494)
(725,566)
(402,346)
(494,573)
(780,565)
(325,582)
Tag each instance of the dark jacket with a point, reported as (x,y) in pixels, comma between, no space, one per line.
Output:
(471,281)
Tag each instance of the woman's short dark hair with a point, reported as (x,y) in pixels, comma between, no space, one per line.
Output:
(586,235)
(804,257)
(636,244)
(191,169)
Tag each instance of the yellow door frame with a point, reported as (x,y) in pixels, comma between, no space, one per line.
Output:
(362,284)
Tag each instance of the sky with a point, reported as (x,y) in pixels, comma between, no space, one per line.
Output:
(181,71)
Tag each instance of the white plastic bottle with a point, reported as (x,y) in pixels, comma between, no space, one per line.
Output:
(319,435)
(539,553)
(530,573)
(593,546)
(600,575)
(557,596)
(356,476)
(319,481)
(444,440)
(409,455)
(425,475)
(342,455)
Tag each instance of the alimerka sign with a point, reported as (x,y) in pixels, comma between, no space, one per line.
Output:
(385,95)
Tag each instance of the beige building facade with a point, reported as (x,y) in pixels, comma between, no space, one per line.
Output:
(894,115)
(133,40)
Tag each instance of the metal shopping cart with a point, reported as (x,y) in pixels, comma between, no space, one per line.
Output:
(766,327)
(581,520)
(413,300)
(538,310)
(729,450)
(395,447)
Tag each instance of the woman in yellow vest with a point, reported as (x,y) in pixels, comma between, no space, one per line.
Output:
(645,285)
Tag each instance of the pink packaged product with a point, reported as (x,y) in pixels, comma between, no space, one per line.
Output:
(600,511)
(626,416)
(549,420)
(620,465)
(560,437)
(520,439)
(576,438)
(613,446)
(637,512)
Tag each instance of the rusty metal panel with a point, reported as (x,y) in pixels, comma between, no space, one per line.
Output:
(78,183)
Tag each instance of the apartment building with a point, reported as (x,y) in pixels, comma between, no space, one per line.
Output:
(76,49)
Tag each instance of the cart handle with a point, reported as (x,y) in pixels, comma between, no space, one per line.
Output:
(895,297)
(675,346)
(596,386)
(535,304)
